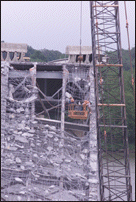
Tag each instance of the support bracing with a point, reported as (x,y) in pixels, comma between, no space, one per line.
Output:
(113,152)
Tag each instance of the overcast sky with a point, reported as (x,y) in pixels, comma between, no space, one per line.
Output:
(55,24)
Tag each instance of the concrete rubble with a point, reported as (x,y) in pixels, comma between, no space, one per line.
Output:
(29,153)
(33,159)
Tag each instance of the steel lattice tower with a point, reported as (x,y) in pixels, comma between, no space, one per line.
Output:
(113,152)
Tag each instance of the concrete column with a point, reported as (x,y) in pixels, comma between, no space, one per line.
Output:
(65,76)
(33,77)
(87,59)
(4,93)
(8,57)
(2,59)
(72,59)
(21,57)
(93,175)
(15,57)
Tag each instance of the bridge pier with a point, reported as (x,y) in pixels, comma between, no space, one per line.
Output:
(15,57)
(13,48)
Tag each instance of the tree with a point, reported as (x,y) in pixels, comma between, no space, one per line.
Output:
(38,56)
(44,55)
(130,106)
(129,96)
(52,54)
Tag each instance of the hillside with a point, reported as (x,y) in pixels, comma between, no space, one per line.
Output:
(46,55)
(43,55)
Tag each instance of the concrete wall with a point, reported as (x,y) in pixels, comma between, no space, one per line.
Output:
(74,52)
(71,50)
(93,159)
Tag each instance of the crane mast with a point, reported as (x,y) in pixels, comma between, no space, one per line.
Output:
(112,137)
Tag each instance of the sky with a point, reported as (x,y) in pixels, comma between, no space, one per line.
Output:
(55,24)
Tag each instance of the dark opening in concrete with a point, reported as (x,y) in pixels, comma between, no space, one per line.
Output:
(11,55)
(4,54)
(90,58)
(53,85)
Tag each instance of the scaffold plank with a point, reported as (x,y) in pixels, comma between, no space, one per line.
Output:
(112,105)
(113,126)
(109,65)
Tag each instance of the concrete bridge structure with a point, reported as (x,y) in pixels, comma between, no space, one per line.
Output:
(13,51)
(20,84)
(100,155)
(48,75)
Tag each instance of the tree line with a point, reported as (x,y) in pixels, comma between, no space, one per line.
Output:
(43,55)
(129,94)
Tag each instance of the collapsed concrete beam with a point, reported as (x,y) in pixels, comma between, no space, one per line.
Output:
(68,125)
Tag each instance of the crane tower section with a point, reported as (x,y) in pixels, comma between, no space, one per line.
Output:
(113,152)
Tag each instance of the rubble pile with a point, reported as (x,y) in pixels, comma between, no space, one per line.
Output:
(40,162)
(33,159)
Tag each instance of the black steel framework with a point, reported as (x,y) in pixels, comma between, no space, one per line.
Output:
(113,152)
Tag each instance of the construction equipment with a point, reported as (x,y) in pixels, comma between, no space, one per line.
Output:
(74,113)
(112,136)
(75,110)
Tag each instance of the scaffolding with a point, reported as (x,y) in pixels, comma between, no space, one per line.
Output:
(113,152)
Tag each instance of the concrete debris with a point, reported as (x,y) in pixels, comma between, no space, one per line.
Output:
(31,131)
(93,181)
(50,135)
(85,151)
(22,167)
(22,192)
(19,198)
(27,134)
(56,139)
(11,148)
(35,157)
(29,164)
(21,139)
(82,156)
(49,148)
(67,160)
(18,160)
(9,161)
(52,128)
(18,179)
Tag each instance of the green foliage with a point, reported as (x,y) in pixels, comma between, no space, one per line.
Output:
(130,106)
(37,56)
(52,55)
(125,58)
(30,51)
(114,91)
(43,55)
